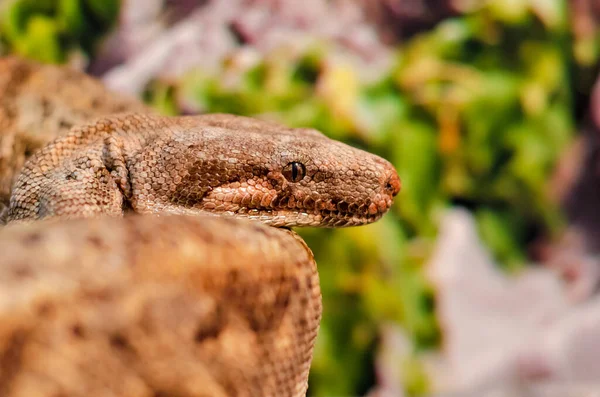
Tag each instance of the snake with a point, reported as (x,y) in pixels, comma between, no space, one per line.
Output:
(153,255)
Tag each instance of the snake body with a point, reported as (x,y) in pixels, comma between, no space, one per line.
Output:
(185,304)
(146,306)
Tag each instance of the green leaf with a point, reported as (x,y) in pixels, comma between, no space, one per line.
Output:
(41,40)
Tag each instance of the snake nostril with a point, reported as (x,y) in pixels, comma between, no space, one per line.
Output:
(393,185)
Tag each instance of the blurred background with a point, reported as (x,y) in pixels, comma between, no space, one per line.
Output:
(484,276)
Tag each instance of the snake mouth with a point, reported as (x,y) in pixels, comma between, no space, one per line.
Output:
(293,212)
(342,219)
(286,218)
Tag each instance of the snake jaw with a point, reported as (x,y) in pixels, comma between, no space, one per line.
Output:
(297,206)
(274,201)
(303,218)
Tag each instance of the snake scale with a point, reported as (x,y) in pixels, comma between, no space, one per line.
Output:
(151,256)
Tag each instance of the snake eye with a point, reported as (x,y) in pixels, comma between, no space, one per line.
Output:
(294,171)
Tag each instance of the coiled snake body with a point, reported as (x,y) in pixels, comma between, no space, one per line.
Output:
(100,299)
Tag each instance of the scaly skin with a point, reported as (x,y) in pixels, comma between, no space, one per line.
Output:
(146,306)
(214,163)
(171,305)
(39,103)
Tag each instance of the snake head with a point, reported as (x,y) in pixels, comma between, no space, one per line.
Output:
(280,176)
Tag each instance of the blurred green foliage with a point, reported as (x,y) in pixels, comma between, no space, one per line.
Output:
(474,112)
(47,30)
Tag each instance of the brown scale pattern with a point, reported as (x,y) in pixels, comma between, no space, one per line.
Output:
(41,102)
(214,163)
(149,306)
(176,305)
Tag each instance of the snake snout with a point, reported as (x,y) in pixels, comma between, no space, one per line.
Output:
(383,198)
(392,184)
